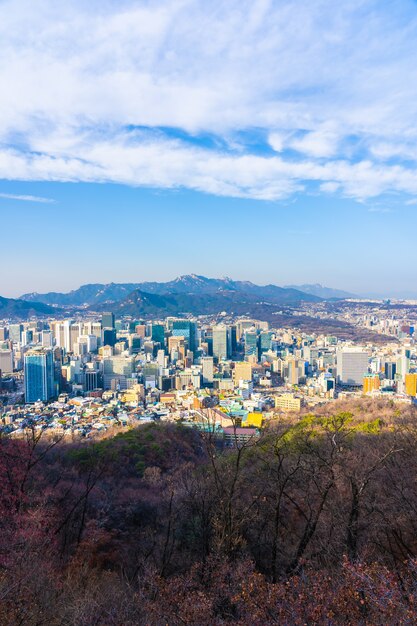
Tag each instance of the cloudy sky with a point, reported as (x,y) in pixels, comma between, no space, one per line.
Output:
(268,140)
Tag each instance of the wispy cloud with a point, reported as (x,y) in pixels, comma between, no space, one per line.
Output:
(12,196)
(127,91)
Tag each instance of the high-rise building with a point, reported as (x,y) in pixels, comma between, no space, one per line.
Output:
(47,338)
(352,366)
(251,344)
(188,330)
(91,380)
(158,334)
(117,368)
(15,332)
(265,341)
(221,342)
(6,361)
(207,370)
(390,370)
(109,336)
(39,375)
(411,385)
(371,382)
(107,320)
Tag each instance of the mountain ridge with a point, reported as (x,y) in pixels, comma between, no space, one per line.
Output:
(21,309)
(193,284)
(317,289)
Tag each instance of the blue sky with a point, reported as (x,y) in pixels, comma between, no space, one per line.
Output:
(262,140)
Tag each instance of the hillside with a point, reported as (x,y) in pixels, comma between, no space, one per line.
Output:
(313,523)
(143,304)
(19,309)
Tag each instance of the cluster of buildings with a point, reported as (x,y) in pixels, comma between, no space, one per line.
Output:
(86,373)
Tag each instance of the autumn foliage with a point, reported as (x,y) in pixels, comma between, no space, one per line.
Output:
(315,523)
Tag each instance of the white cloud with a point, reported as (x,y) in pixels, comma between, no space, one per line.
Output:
(308,75)
(317,144)
(12,196)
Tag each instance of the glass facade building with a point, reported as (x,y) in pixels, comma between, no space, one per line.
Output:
(39,375)
(188,330)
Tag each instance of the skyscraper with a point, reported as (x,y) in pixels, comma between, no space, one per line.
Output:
(39,375)
(352,366)
(158,334)
(251,344)
(221,342)
(207,370)
(107,320)
(188,330)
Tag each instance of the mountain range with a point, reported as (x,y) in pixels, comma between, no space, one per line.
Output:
(191,293)
(327,293)
(97,294)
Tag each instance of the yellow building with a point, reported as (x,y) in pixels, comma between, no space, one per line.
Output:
(254,419)
(411,384)
(287,402)
(242,371)
(134,394)
(371,382)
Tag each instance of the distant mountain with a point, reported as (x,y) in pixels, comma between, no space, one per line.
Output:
(97,294)
(11,308)
(85,295)
(143,304)
(326,293)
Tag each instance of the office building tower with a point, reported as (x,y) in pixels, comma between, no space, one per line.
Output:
(251,344)
(118,368)
(390,370)
(15,332)
(6,361)
(135,344)
(242,326)
(107,320)
(233,338)
(47,339)
(188,330)
(161,359)
(403,366)
(158,334)
(265,341)
(221,342)
(352,366)
(109,337)
(26,337)
(39,375)
(207,370)
(91,380)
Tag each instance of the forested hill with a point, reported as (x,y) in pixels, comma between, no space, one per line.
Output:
(313,523)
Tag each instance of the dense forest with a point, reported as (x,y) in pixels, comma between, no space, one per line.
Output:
(313,523)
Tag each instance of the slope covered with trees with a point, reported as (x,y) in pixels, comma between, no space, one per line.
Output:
(314,523)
